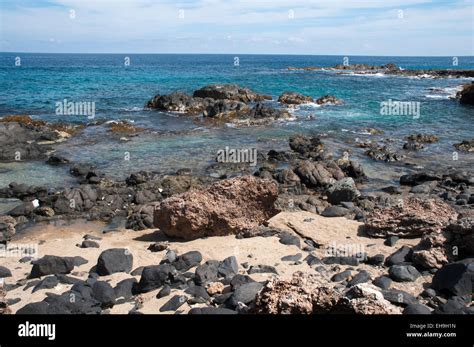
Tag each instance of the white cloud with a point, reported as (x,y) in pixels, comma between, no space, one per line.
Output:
(354,26)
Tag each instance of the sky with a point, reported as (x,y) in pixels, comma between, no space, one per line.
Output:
(314,27)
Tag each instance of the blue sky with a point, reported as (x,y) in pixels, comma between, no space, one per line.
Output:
(339,27)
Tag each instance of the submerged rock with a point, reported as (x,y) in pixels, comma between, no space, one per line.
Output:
(329,99)
(292,98)
(226,207)
(465,146)
(308,147)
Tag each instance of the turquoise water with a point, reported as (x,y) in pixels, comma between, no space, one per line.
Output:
(120,92)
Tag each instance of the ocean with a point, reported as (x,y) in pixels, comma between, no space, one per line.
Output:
(121,90)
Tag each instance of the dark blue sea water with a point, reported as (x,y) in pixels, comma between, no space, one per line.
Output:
(121,91)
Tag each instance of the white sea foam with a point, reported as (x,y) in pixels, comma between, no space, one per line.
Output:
(443,93)
(132,109)
(365,74)
(312,104)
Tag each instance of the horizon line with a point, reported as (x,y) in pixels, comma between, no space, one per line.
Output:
(269,54)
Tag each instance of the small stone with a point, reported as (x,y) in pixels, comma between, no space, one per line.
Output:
(214,288)
(174,303)
(403,273)
(104,293)
(228,267)
(125,288)
(399,297)
(239,280)
(377,259)
(455,278)
(312,260)
(91,237)
(4,272)
(46,283)
(158,246)
(207,272)
(295,257)
(165,291)
(416,309)
(334,211)
(154,276)
(402,255)
(262,269)
(341,276)
(50,265)
(382,282)
(289,239)
(361,277)
(352,261)
(187,261)
(198,292)
(391,241)
(428,293)
(245,293)
(138,271)
(89,244)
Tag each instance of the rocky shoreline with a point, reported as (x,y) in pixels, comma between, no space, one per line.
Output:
(391,69)
(294,198)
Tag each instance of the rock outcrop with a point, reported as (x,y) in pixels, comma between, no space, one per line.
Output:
(329,100)
(466,95)
(292,98)
(229,92)
(305,294)
(413,217)
(226,207)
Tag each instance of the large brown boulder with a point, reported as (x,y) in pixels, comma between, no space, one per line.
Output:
(226,207)
(413,217)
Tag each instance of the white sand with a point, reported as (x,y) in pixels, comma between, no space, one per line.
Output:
(62,240)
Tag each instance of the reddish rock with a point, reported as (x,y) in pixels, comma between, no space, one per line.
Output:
(455,242)
(413,217)
(7,228)
(226,207)
(306,294)
(4,309)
